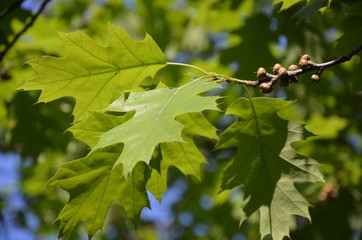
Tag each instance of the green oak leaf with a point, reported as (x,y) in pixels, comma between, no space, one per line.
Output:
(183,155)
(92,73)
(157,183)
(90,129)
(154,119)
(266,165)
(93,185)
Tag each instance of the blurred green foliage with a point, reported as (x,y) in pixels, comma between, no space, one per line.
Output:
(232,36)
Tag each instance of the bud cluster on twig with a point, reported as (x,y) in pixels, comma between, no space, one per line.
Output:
(280,74)
(284,76)
(287,76)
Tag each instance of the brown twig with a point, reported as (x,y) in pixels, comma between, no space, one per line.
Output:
(25,28)
(282,75)
(322,66)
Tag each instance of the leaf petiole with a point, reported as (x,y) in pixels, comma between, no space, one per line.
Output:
(217,77)
(189,65)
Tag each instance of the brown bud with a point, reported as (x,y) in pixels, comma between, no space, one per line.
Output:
(305,56)
(292,67)
(276,68)
(261,73)
(282,73)
(266,88)
(303,63)
(315,78)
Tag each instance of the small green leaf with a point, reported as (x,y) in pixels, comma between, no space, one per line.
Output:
(92,73)
(286,3)
(154,120)
(93,185)
(266,165)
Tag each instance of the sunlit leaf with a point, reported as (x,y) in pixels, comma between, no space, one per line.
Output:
(89,130)
(154,120)
(286,3)
(91,73)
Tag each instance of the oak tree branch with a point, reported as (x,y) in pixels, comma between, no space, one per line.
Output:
(285,77)
(280,74)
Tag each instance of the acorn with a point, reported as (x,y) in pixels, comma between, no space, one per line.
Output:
(282,73)
(276,68)
(305,56)
(315,78)
(293,79)
(292,67)
(266,88)
(303,63)
(261,73)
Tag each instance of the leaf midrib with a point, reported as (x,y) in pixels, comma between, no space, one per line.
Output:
(261,146)
(159,113)
(115,70)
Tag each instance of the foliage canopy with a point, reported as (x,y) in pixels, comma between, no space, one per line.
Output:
(143,119)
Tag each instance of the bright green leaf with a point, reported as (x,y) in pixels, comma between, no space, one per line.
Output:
(93,185)
(92,73)
(286,3)
(266,165)
(157,183)
(154,120)
(89,130)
